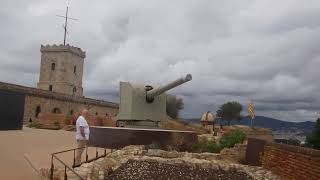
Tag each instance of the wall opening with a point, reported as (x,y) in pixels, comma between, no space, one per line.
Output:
(53,66)
(50,87)
(96,113)
(38,110)
(74,69)
(56,111)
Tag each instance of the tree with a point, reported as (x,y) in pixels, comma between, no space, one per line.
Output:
(230,111)
(174,105)
(313,140)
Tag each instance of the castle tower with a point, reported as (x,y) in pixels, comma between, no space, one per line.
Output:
(61,69)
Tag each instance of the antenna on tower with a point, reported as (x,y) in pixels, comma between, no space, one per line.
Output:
(66,25)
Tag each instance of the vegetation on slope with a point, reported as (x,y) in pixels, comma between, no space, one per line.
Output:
(228,140)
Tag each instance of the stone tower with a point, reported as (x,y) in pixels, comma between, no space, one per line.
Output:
(61,69)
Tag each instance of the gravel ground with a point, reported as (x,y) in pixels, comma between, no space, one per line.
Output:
(158,171)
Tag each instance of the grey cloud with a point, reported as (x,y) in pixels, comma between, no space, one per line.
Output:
(265,51)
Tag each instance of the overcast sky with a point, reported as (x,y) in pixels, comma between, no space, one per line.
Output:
(266,51)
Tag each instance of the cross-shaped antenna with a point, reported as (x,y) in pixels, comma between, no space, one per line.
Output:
(65,25)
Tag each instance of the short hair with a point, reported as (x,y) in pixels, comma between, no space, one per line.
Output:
(83,111)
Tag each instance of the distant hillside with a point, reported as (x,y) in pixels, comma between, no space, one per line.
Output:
(279,126)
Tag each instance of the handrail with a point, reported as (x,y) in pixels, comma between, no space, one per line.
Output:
(67,150)
(53,156)
(66,166)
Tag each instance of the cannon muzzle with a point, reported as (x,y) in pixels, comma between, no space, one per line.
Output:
(155,92)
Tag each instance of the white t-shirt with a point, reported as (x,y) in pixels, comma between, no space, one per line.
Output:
(81,122)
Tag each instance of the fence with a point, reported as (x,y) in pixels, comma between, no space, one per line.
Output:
(54,157)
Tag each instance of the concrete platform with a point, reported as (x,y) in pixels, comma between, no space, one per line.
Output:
(116,137)
(22,149)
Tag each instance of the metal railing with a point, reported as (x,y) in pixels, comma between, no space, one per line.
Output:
(54,156)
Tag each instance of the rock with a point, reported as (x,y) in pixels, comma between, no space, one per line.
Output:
(109,163)
(133,149)
(162,153)
(87,165)
(155,152)
(44,172)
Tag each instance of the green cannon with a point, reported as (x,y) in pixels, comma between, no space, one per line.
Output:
(143,105)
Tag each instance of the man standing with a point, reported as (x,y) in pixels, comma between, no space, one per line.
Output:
(82,134)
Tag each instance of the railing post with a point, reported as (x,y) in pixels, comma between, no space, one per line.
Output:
(86,154)
(51,169)
(65,173)
(105,151)
(74,158)
(97,154)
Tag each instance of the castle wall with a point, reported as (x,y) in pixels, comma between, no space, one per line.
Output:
(60,107)
(51,104)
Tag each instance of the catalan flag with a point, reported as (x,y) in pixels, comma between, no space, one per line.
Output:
(251,112)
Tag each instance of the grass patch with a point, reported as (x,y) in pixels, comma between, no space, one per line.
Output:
(231,138)
(204,145)
(34,125)
(228,140)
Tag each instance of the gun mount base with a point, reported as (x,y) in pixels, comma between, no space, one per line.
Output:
(149,124)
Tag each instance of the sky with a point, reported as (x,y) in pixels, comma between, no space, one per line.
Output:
(266,51)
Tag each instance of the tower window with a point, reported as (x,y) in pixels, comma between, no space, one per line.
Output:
(50,87)
(53,66)
(74,69)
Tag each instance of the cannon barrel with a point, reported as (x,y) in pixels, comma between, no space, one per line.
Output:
(155,92)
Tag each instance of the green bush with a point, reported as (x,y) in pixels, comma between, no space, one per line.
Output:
(313,140)
(34,125)
(228,140)
(231,138)
(204,145)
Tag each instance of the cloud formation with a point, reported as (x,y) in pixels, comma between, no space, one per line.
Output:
(265,51)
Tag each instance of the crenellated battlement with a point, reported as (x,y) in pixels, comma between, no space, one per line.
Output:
(63,48)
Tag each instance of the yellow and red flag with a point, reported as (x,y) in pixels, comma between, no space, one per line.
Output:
(251,110)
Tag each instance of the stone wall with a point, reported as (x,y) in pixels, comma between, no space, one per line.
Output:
(257,133)
(237,154)
(48,111)
(292,162)
(100,168)
(41,102)
(62,120)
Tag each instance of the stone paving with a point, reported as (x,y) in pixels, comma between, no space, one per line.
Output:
(34,145)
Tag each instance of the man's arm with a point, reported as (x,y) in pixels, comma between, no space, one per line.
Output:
(82,132)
